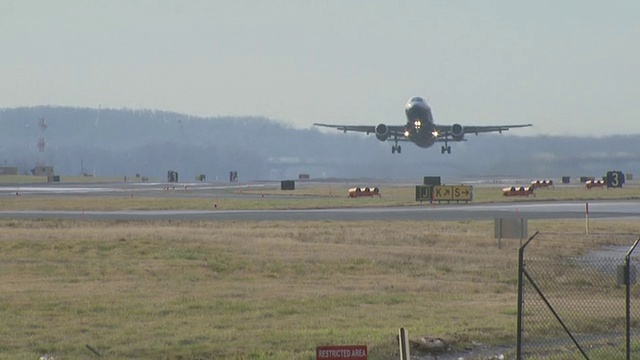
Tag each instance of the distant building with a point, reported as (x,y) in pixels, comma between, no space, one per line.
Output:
(41,170)
(9,170)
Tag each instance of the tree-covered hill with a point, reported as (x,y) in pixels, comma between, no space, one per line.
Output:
(119,142)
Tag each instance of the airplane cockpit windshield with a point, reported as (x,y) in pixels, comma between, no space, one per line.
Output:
(416,99)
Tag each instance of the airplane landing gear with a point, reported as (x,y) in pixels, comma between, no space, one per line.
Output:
(446,148)
(396,147)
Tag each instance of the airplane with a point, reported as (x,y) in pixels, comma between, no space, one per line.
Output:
(420,128)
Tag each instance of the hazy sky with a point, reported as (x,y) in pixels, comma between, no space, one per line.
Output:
(569,67)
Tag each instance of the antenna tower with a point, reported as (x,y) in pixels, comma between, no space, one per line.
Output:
(41,143)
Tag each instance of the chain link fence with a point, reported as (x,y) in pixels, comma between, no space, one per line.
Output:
(578,307)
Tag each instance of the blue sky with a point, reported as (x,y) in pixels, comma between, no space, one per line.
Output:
(569,67)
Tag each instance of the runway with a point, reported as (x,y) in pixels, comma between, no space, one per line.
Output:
(529,210)
(600,209)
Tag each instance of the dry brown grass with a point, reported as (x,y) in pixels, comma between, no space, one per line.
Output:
(261,289)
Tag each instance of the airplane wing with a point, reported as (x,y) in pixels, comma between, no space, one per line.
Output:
(491,128)
(446,130)
(394,130)
(359,128)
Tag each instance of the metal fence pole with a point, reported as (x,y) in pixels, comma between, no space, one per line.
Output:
(627,262)
(521,295)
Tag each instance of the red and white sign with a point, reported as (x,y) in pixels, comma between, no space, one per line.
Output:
(341,352)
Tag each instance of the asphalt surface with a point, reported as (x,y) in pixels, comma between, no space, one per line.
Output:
(441,212)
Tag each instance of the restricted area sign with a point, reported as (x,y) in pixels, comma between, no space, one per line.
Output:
(341,352)
(452,193)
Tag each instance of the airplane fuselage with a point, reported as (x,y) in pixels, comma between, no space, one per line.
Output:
(420,128)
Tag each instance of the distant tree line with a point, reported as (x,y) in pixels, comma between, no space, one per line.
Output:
(119,142)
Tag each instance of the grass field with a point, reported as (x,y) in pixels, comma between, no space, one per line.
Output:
(265,290)
(262,290)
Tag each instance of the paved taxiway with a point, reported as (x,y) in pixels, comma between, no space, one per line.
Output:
(442,212)
(546,210)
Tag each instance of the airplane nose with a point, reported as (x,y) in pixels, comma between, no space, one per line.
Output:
(416,110)
(419,104)
(415,106)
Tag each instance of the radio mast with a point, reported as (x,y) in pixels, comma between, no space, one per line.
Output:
(41,143)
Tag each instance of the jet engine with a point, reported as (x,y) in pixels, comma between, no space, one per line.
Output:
(382,132)
(457,132)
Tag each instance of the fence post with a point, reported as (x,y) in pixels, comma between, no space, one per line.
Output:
(586,218)
(403,342)
(627,264)
(521,295)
